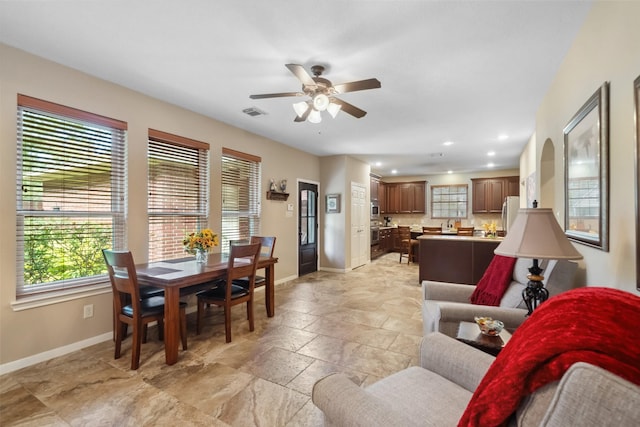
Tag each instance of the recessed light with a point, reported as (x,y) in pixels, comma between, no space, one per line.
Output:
(449,171)
(378,164)
(447,143)
(394,171)
(503,137)
(491,153)
(490,165)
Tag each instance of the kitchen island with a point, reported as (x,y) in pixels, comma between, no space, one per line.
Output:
(455,259)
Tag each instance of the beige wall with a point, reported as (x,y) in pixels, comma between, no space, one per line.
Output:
(30,332)
(607,48)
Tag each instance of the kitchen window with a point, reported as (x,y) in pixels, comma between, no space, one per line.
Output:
(178,177)
(240,196)
(71,184)
(449,201)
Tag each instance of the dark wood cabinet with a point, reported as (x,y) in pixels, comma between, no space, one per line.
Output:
(386,242)
(405,197)
(512,186)
(396,246)
(382,200)
(374,190)
(489,193)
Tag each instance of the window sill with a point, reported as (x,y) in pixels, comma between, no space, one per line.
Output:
(57,297)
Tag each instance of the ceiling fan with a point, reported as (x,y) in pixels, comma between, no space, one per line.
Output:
(322,93)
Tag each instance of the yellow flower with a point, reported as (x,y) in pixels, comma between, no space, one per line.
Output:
(203,240)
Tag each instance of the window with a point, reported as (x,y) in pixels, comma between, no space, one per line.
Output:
(449,201)
(70,195)
(178,192)
(240,196)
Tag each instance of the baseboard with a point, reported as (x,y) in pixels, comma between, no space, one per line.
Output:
(56,352)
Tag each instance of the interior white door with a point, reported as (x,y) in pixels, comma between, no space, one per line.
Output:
(360,248)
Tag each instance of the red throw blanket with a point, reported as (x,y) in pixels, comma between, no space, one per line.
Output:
(594,325)
(494,281)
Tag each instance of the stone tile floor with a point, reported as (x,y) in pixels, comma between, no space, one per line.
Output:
(366,323)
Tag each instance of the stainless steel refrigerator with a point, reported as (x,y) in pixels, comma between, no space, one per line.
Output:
(510,209)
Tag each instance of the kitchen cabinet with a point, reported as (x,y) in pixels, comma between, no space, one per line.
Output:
(405,197)
(382,201)
(386,242)
(489,193)
(396,246)
(374,190)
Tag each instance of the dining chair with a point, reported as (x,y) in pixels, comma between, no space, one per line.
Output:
(243,260)
(406,243)
(431,230)
(465,231)
(131,309)
(267,246)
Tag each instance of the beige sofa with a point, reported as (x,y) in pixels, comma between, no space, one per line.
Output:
(437,393)
(445,305)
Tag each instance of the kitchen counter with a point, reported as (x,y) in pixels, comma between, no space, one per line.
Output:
(460,238)
(455,259)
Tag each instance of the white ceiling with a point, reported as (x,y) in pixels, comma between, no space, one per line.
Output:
(460,71)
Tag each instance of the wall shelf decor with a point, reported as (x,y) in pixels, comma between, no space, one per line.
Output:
(277,195)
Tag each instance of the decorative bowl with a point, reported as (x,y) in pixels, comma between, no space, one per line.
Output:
(488,326)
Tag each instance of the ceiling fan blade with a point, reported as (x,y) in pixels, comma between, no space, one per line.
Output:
(304,116)
(359,85)
(276,95)
(349,108)
(301,74)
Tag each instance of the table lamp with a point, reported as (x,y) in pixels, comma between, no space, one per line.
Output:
(536,234)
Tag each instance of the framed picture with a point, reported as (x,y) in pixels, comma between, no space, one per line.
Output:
(636,97)
(586,172)
(333,203)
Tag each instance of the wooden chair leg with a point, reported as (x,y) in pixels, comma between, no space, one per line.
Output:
(250,313)
(199,315)
(118,339)
(227,323)
(183,328)
(135,344)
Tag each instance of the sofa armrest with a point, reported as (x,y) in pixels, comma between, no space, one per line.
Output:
(442,291)
(591,396)
(454,313)
(344,403)
(458,362)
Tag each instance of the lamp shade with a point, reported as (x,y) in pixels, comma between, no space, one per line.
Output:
(535,233)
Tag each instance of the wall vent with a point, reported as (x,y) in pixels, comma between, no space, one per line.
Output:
(254,112)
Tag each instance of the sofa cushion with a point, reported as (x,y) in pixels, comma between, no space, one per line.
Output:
(512,298)
(443,401)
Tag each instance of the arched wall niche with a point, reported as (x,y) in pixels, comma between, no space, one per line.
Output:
(547,176)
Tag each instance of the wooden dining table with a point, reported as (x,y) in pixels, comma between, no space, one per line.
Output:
(184,273)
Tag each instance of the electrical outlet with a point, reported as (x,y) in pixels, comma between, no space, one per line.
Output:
(88,311)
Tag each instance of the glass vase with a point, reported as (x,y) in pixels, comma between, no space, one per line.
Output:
(201,256)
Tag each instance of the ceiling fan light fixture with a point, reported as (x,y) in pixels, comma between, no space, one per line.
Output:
(300,108)
(334,109)
(314,116)
(320,102)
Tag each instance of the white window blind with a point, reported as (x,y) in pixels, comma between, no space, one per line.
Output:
(240,196)
(178,190)
(71,183)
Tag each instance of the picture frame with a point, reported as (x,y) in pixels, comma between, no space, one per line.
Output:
(586,172)
(333,203)
(636,98)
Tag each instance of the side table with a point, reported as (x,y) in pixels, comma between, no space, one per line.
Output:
(469,333)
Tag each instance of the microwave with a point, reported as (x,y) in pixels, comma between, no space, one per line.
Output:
(375,210)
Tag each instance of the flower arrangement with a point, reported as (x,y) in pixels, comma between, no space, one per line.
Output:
(490,229)
(200,241)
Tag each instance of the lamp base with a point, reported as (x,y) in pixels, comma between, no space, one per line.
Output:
(535,293)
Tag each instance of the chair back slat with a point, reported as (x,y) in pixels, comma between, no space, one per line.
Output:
(267,245)
(123,277)
(243,261)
